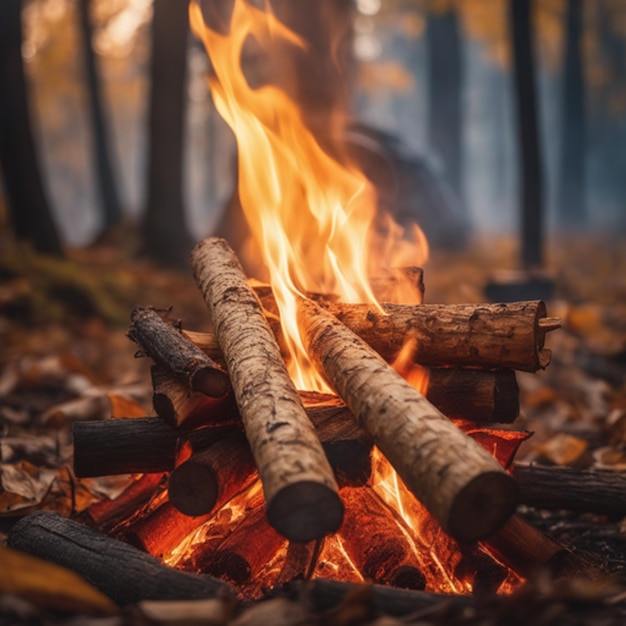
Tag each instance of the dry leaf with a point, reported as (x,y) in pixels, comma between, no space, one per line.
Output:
(23,485)
(212,612)
(49,585)
(124,407)
(563,449)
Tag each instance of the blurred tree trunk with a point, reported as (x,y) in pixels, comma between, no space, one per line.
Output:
(572,187)
(29,210)
(530,179)
(445,84)
(164,232)
(108,192)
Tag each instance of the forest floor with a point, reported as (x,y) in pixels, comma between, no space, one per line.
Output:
(65,356)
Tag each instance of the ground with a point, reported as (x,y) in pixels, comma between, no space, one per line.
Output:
(65,356)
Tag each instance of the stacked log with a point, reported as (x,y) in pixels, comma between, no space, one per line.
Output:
(228,415)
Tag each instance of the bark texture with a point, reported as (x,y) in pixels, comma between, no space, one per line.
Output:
(490,336)
(178,406)
(592,491)
(300,489)
(120,571)
(461,485)
(168,346)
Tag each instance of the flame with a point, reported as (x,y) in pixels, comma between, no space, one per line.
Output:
(415,375)
(311,215)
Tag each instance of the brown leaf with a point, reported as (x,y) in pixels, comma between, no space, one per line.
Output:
(49,585)
(23,485)
(124,407)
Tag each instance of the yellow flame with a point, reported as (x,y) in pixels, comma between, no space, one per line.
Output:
(310,215)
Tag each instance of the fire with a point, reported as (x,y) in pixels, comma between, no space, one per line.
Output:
(312,215)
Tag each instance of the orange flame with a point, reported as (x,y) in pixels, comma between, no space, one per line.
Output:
(311,215)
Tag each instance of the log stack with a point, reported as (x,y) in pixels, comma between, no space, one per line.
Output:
(230,422)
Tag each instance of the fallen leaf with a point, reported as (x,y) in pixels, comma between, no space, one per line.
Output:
(124,407)
(564,449)
(23,485)
(49,585)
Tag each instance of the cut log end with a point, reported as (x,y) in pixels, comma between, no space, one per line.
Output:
(482,507)
(211,381)
(193,489)
(305,511)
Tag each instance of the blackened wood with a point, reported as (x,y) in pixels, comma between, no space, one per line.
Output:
(298,482)
(123,446)
(324,595)
(600,491)
(118,570)
(212,476)
(482,396)
(168,347)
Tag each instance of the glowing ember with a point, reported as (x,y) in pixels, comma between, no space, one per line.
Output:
(312,216)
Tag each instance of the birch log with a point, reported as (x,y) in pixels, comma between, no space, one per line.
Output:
(302,500)
(462,486)
(491,336)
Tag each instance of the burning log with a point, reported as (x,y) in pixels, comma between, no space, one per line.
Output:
(479,395)
(212,476)
(147,444)
(464,335)
(461,485)
(162,530)
(243,554)
(492,336)
(106,514)
(299,486)
(118,570)
(168,346)
(177,405)
(373,539)
(598,491)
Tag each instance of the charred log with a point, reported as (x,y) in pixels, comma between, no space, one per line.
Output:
(597,491)
(118,570)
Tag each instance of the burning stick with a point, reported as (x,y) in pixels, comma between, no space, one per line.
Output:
(373,539)
(168,347)
(299,486)
(211,477)
(462,486)
(120,571)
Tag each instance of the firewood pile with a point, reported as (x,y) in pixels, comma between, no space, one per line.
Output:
(243,482)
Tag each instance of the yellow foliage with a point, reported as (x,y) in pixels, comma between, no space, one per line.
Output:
(376,77)
(49,585)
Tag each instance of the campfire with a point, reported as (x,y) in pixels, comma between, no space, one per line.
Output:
(331,426)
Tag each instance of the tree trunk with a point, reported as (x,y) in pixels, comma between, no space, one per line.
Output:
(445,82)
(108,192)
(165,236)
(29,209)
(530,179)
(572,187)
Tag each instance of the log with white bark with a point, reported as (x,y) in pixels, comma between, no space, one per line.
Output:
(462,486)
(301,495)
(491,336)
